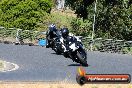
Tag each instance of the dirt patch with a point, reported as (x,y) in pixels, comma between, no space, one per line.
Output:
(60,85)
(10,40)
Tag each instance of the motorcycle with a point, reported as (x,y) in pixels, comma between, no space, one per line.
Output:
(53,41)
(76,51)
(50,37)
(57,46)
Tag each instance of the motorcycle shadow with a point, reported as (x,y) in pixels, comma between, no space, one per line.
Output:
(77,65)
(56,54)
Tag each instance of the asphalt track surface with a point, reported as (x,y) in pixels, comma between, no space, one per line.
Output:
(38,63)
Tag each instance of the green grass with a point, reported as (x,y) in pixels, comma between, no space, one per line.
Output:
(1,64)
(128,50)
(62,19)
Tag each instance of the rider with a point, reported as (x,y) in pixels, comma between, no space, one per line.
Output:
(65,36)
(51,33)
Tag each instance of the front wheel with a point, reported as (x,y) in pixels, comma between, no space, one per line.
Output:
(82,57)
(47,43)
(56,48)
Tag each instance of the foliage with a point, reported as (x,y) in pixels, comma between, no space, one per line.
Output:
(58,18)
(80,27)
(113,18)
(80,7)
(24,14)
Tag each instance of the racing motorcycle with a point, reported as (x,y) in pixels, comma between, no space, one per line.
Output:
(76,51)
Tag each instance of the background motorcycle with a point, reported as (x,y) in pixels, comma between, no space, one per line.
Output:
(58,46)
(51,35)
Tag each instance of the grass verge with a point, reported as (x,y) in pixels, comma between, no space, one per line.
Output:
(1,65)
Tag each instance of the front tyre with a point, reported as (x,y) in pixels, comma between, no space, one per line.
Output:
(47,44)
(82,57)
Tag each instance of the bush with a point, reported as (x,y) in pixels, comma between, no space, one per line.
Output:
(24,14)
(58,18)
(80,27)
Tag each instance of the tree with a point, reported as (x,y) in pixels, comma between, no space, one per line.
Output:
(80,7)
(24,14)
(113,19)
(129,3)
